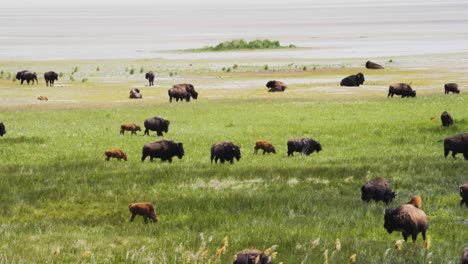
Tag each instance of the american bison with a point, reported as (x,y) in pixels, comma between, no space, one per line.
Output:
(465,256)
(276,86)
(182,92)
(163,149)
(416,201)
(135,94)
(157,124)
(144,209)
(115,153)
(50,77)
(377,189)
(464,194)
(150,77)
(353,80)
(402,89)
(2,129)
(251,256)
(264,145)
(451,87)
(129,127)
(456,144)
(446,119)
(26,75)
(373,65)
(304,145)
(43,98)
(225,151)
(408,219)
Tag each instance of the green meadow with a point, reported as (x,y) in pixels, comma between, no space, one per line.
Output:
(63,203)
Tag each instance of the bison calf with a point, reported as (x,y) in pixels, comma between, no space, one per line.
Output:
(451,87)
(446,119)
(304,145)
(43,98)
(456,144)
(377,189)
(402,89)
(2,129)
(408,219)
(276,86)
(225,151)
(115,153)
(129,127)
(464,194)
(264,145)
(251,256)
(144,209)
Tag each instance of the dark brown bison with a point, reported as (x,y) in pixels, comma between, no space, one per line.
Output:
(353,80)
(456,144)
(225,151)
(446,119)
(157,124)
(50,77)
(451,87)
(264,145)
(304,145)
(26,76)
(251,256)
(163,149)
(373,65)
(43,98)
(129,127)
(2,129)
(408,219)
(182,92)
(402,89)
(465,256)
(464,194)
(135,94)
(377,189)
(150,77)
(276,86)
(115,153)
(144,209)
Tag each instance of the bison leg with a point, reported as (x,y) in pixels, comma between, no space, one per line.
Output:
(222,160)
(133,132)
(423,233)
(143,157)
(465,155)
(169,159)
(122,132)
(159,133)
(405,235)
(170,99)
(107,158)
(453,154)
(145,217)
(462,202)
(146,132)
(133,217)
(255,150)
(231,161)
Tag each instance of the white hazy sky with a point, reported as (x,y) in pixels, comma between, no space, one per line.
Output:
(146,2)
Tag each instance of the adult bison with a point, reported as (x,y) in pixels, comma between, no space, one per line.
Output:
(157,124)
(377,189)
(26,76)
(402,89)
(144,209)
(456,144)
(251,256)
(446,119)
(451,87)
(135,94)
(464,194)
(50,77)
(373,65)
(264,145)
(276,86)
(304,145)
(353,80)
(225,151)
(150,77)
(182,92)
(2,129)
(163,149)
(408,219)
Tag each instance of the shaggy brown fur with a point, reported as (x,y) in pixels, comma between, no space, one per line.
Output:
(416,200)
(115,153)
(43,98)
(451,87)
(377,189)
(129,127)
(276,86)
(144,209)
(402,89)
(464,194)
(182,92)
(248,256)
(264,145)
(408,219)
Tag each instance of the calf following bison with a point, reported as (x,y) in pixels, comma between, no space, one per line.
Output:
(163,149)
(115,153)
(264,145)
(129,127)
(304,145)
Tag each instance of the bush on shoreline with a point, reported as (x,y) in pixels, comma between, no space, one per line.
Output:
(240,44)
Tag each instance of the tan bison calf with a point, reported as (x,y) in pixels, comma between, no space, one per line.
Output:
(43,98)
(129,127)
(464,194)
(115,153)
(264,145)
(144,209)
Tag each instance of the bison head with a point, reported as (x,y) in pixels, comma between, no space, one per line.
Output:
(389,221)
(412,93)
(137,128)
(360,78)
(389,196)
(270,84)
(19,75)
(180,150)
(236,152)
(166,125)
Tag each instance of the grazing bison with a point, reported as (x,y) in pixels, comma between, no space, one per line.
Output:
(402,89)
(251,256)
(276,86)
(50,77)
(150,77)
(465,256)
(264,145)
(377,189)
(373,65)
(144,209)
(416,201)
(446,119)
(43,98)
(26,75)
(225,151)
(163,149)
(115,153)
(304,145)
(408,219)
(451,87)
(2,129)
(353,80)
(135,94)
(157,124)
(464,194)
(456,144)
(182,92)
(129,127)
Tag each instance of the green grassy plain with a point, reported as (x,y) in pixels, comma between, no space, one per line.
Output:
(61,202)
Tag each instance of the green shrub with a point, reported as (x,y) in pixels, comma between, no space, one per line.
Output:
(235,66)
(242,44)
(265,67)
(97,69)
(132,71)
